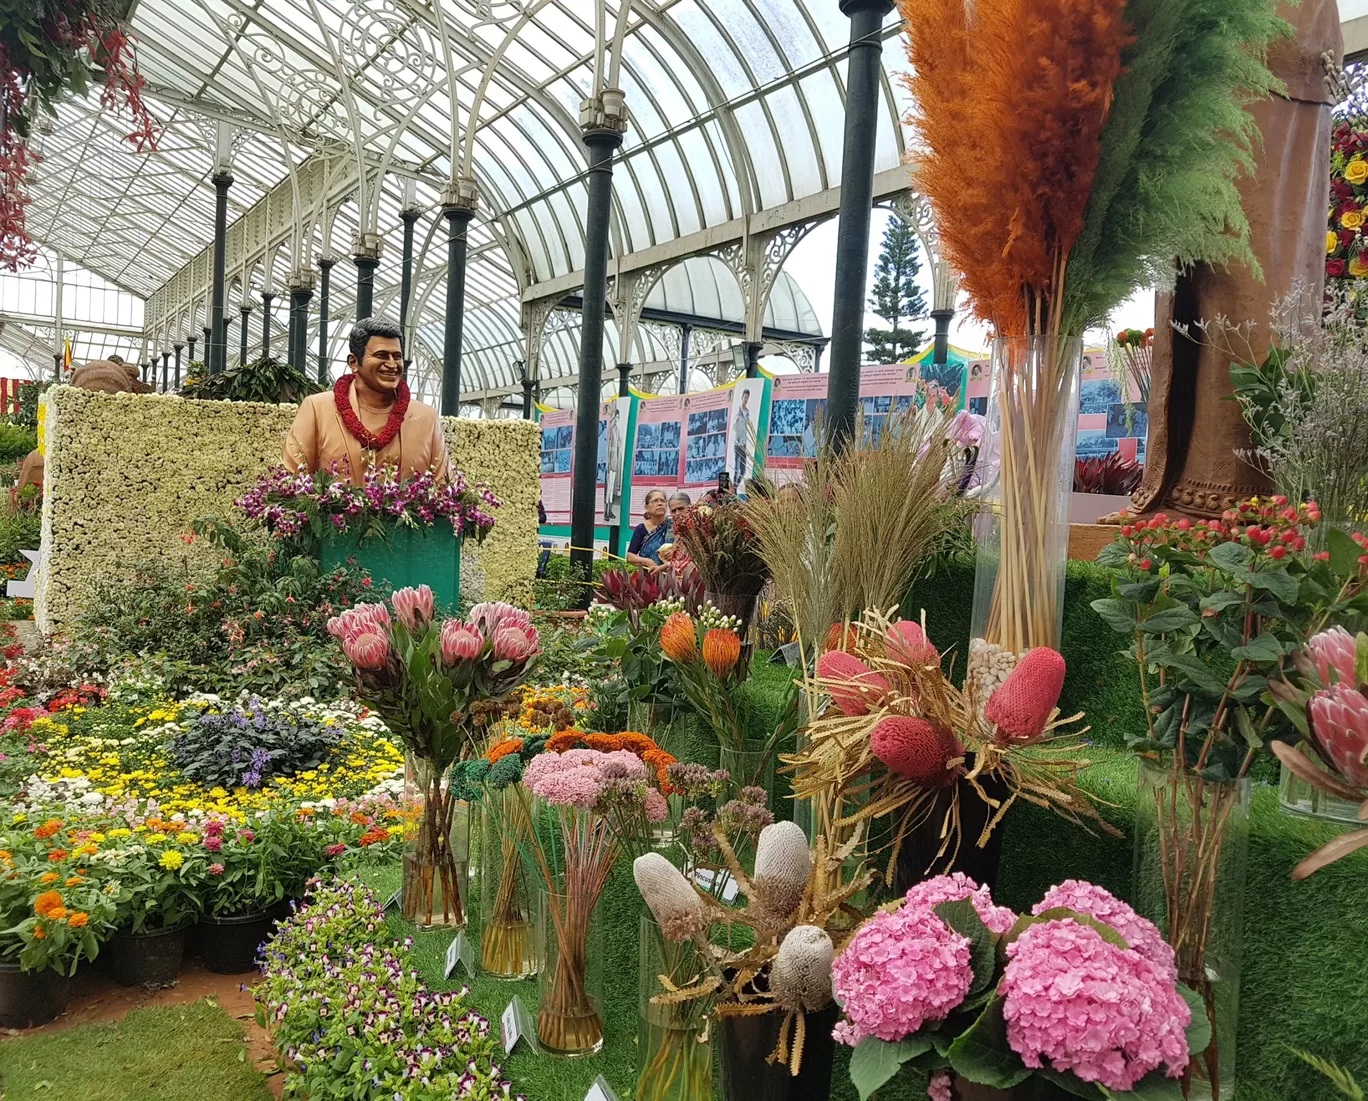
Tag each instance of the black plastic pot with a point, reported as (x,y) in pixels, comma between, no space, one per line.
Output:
(746,1044)
(229,944)
(29,998)
(147,959)
(917,858)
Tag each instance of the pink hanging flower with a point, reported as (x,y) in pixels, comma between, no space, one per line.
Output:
(952,888)
(1107,1014)
(516,642)
(1335,650)
(1141,934)
(460,642)
(490,615)
(414,608)
(367,650)
(1339,719)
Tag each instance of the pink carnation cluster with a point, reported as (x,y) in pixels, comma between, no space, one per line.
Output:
(580,777)
(952,888)
(899,971)
(1139,933)
(1104,1013)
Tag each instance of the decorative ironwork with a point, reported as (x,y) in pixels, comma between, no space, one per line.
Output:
(388,47)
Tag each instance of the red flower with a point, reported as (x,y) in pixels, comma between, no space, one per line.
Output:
(1336,269)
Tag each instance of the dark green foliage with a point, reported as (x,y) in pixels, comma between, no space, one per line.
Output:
(19,530)
(16,442)
(896,296)
(250,744)
(27,414)
(270,380)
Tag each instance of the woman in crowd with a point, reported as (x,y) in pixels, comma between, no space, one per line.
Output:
(650,536)
(672,553)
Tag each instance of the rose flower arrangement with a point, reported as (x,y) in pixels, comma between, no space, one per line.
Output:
(1081,993)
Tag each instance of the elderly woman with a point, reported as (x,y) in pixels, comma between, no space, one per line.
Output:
(652,534)
(673,553)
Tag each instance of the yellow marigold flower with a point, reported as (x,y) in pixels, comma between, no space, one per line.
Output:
(171,860)
(187,838)
(155,838)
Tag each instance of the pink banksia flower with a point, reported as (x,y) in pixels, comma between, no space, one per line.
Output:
(460,642)
(367,650)
(414,608)
(1339,720)
(916,749)
(1022,705)
(853,686)
(908,645)
(1334,650)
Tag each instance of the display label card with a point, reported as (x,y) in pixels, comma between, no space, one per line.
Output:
(460,951)
(601,1091)
(516,1024)
(395,899)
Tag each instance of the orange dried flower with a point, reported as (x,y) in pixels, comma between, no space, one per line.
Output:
(679,638)
(841,636)
(503,749)
(566,739)
(79,919)
(721,651)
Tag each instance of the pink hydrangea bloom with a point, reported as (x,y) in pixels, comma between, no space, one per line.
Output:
(939,1089)
(1106,1014)
(1139,933)
(898,972)
(951,888)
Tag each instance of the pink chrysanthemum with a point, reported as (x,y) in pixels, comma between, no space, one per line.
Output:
(1139,933)
(1104,1013)
(898,972)
(951,888)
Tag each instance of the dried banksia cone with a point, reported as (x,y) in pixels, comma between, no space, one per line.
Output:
(675,905)
(721,651)
(859,687)
(800,977)
(1023,703)
(908,645)
(679,638)
(782,867)
(916,749)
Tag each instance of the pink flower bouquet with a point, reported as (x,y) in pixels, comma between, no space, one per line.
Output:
(1082,992)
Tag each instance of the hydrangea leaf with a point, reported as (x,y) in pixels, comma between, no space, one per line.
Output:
(964,920)
(874,1062)
(981,1053)
(1199,1031)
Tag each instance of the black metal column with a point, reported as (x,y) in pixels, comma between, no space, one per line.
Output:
(246,312)
(365,283)
(166,371)
(57,366)
(178,348)
(410,218)
(191,357)
(602,145)
(218,347)
(940,351)
(685,336)
(458,225)
(325,267)
(857,201)
(527,397)
(299,320)
(208,349)
(753,358)
(266,299)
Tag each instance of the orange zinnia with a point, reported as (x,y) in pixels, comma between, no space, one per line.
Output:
(47,829)
(721,651)
(78,919)
(58,855)
(679,638)
(38,933)
(48,877)
(48,903)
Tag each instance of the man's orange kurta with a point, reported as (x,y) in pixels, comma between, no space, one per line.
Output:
(318,439)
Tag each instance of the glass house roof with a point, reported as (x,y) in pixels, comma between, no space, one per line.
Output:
(737,109)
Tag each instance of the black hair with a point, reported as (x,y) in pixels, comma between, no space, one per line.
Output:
(368,327)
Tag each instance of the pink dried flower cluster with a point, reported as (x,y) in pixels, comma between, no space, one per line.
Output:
(580,777)
(1104,1013)
(899,971)
(1141,934)
(953,888)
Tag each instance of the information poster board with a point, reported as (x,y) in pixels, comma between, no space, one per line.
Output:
(557,451)
(745,422)
(1111,418)
(797,410)
(609,478)
(706,418)
(656,452)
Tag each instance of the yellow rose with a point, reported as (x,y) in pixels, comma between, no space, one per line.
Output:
(1358,267)
(1331,242)
(1351,219)
(1356,171)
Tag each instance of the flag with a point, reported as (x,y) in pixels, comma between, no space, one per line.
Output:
(66,355)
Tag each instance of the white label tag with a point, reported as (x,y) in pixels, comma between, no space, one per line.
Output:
(515,1025)
(460,951)
(395,899)
(706,877)
(601,1091)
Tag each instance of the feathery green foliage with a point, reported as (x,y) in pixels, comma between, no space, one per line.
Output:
(1340,1078)
(1177,137)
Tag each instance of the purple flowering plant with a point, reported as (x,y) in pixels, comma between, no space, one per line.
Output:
(1081,995)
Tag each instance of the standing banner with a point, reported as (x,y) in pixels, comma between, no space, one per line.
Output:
(656,451)
(705,440)
(744,427)
(557,450)
(609,479)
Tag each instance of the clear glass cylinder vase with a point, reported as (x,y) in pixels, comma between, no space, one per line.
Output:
(1296,796)
(674,1041)
(749,768)
(510,897)
(436,847)
(570,986)
(1191,845)
(1027,462)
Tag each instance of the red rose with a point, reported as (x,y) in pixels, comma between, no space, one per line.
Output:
(1336,269)
(1346,237)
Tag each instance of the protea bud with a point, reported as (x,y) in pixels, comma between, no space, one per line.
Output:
(679,638)
(782,867)
(1335,650)
(414,608)
(841,636)
(916,749)
(1339,719)
(1024,702)
(675,905)
(516,642)
(490,615)
(908,645)
(367,650)
(721,651)
(460,642)
(800,977)
(856,686)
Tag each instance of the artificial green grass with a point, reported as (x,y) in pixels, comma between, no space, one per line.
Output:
(166,1053)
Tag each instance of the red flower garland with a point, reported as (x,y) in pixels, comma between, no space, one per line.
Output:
(369,440)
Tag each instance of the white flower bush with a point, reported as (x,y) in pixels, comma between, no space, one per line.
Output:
(126,474)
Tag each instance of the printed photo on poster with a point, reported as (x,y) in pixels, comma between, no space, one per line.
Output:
(612,458)
(557,450)
(742,443)
(1094,443)
(655,451)
(1098,395)
(706,417)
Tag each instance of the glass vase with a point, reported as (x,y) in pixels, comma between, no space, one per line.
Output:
(748,768)
(1296,796)
(1028,459)
(570,986)
(436,848)
(1191,843)
(674,1045)
(509,896)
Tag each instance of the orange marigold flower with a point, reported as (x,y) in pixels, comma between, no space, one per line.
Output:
(721,651)
(58,855)
(679,638)
(48,877)
(566,739)
(503,749)
(78,919)
(48,903)
(48,829)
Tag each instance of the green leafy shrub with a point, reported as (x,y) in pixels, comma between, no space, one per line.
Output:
(16,442)
(249,744)
(270,380)
(21,529)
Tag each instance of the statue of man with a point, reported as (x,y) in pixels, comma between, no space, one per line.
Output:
(368,418)
(1196,435)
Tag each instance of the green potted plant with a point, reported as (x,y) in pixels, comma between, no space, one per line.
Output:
(158,882)
(252,869)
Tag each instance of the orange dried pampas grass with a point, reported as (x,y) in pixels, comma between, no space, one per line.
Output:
(1011,97)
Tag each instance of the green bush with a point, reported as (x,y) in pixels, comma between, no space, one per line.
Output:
(270,380)
(16,442)
(20,530)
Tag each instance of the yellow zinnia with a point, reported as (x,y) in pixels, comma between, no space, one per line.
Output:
(171,859)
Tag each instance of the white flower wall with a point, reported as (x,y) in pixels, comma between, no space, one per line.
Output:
(126,474)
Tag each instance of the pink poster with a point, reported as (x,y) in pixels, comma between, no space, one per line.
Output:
(557,448)
(655,455)
(797,406)
(1110,416)
(706,417)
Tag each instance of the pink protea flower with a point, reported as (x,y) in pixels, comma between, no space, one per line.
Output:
(490,615)
(1339,719)
(367,650)
(516,642)
(951,888)
(899,971)
(1023,703)
(1140,933)
(360,619)
(414,608)
(907,644)
(1335,650)
(1104,1013)
(460,642)
(862,686)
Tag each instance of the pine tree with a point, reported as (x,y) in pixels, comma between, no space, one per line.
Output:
(896,297)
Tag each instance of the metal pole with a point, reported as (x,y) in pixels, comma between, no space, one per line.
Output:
(940,353)
(527,397)
(624,391)
(366,257)
(266,299)
(602,144)
(324,267)
(857,201)
(190,340)
(410,218)
(166,371)
(178,348)
(57,366)
(208,348)
(685,334)
(458,209)
(753,358)
(300,294)
(290,338)
(218,346)
(246,311)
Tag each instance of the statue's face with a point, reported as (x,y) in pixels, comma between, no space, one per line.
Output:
(382,367)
